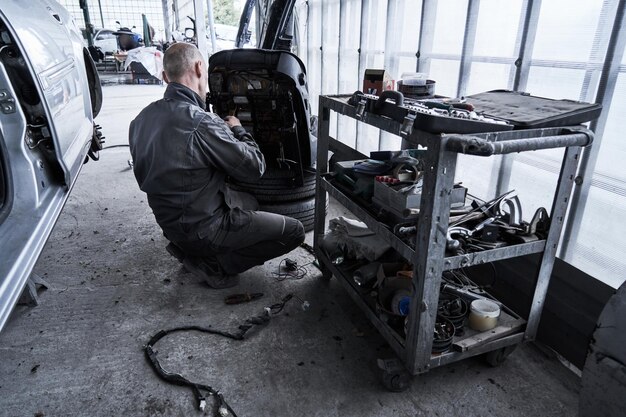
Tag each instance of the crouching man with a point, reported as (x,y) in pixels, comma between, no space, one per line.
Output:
(182,155)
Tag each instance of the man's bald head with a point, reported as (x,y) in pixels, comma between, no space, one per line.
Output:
(179,60)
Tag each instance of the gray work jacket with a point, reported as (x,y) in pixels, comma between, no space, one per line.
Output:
(182,155)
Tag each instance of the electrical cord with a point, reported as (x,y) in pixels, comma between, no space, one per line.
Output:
(222,408)
(116,146)
(288,269)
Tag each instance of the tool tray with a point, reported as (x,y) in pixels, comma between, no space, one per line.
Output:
(401,107)
(530,112)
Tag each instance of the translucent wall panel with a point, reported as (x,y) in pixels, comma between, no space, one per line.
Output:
(403,41)
(555,83)
(314,53)
(612,156)
(410,18)
(449,27)
(368,138)
(349,41)
(373,34)
(446,73)
(330,46)
(601,243)
(599,249)
(487,76)
(497,29)
(406,64)
(566,29)
(476,174)
(127,12)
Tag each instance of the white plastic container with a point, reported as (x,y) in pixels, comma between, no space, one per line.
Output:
(484,315)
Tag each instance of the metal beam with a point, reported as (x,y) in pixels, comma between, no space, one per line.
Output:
(522,65)
(198,10)
(166,21)
(88,25)
(101,15)
(364,18)
(209,8)
(527,45)
(469,39)
(606,89)
(427,36)
(599,46)
(176,14)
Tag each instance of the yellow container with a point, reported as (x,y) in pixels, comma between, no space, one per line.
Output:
(484,315)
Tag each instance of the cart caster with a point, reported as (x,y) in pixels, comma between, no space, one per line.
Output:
(498,356)
(394,375)
(326,273)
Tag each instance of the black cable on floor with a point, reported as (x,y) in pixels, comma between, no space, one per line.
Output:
(116,146)
(222,408)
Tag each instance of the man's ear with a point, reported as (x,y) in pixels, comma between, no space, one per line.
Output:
(198,68)
(165,78)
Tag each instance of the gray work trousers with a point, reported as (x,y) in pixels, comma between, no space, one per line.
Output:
(245,238)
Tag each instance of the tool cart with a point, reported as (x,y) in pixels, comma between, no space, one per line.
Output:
(414,345)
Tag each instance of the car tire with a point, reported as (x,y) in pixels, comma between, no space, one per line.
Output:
(278,186)
(303,210)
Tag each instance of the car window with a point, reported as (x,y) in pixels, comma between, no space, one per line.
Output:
(105,35)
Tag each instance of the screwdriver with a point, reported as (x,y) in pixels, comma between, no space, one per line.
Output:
(242,298)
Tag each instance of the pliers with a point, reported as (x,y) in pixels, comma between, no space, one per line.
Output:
(242,298)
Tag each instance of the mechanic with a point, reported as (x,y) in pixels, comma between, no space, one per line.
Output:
(182,155)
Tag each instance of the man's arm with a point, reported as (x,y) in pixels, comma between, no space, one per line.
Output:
(234,151)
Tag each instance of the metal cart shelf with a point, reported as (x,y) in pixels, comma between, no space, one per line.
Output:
(429,259)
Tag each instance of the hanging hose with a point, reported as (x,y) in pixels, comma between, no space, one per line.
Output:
(223,409)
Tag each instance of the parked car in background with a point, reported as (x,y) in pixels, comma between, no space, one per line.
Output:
(106,40)
(225,36)
(49,95)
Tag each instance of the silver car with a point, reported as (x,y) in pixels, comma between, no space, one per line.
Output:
(49,96)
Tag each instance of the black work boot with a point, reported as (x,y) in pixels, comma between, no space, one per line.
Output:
(210,272)
(175,251)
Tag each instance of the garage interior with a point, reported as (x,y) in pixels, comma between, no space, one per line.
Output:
(113,286)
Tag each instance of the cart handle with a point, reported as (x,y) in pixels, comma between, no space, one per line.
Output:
(474,145)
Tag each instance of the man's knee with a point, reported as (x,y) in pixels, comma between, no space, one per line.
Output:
(295,230)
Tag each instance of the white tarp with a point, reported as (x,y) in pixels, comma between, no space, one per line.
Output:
(150,57)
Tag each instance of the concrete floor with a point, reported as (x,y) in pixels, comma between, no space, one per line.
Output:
(113,286)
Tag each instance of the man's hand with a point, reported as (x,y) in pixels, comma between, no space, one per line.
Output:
(232,121)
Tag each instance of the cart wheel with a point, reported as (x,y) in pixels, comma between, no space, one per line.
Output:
(326,273)
(394,375)
(498,356)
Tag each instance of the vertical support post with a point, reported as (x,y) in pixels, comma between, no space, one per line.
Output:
(198,9)
(427,36)
(361,64)
(433,221)
(557,216)
(88,25)
(599,46)
(147,36)
(342,11)
(527,45)
(101,15)
(323,132)
(209,8)
(166,21)
(176,14)
(522,65)
(260,21)
(608,80)
(469,38)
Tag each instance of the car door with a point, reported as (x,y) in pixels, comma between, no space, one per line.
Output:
(49,93)
(54,48)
